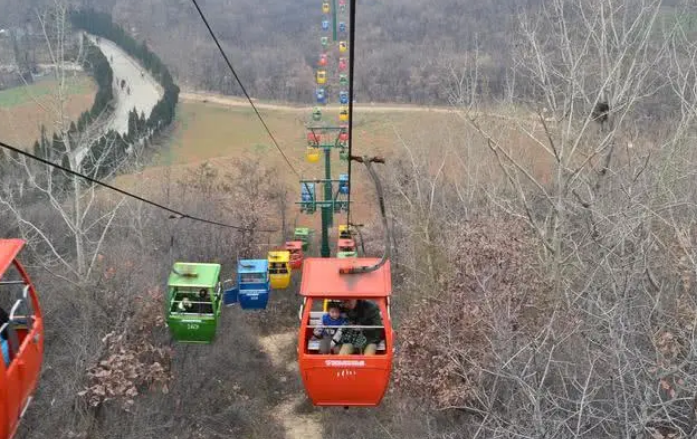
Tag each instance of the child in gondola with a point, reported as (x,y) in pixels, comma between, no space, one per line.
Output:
(328,333)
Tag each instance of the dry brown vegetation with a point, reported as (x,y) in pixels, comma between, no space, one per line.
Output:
(544,266)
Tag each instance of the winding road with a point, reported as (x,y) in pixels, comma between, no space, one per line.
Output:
(141,90)
(144,89)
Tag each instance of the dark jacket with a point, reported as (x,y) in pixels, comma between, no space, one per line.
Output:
(367,313)
(4,318)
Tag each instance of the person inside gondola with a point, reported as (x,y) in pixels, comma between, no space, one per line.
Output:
(185,305)
(4,318)
(204,305)
(364,313)
(329,335)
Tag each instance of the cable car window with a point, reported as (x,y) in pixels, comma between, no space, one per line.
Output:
(14,295)
(252,278)
(192,301)
(365,329)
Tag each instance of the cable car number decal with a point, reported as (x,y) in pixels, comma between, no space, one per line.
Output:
(344,363)
(192,324)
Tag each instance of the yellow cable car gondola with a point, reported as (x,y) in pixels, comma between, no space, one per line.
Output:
(312,155)
(279,269)
(344,116)
(344,232)
(321,77)
(342,46)
(325,7)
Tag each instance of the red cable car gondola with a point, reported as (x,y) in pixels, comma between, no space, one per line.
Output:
(344,380)
(346,245)
(296,254)
(21,336)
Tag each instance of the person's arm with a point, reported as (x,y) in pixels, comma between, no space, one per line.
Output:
(319,331)
(372,318)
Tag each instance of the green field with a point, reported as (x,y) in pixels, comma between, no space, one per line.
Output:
(24,109)
(25,94)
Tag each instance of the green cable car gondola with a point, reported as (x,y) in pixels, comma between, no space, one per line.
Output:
(193,302)
(302,234)
(316,114)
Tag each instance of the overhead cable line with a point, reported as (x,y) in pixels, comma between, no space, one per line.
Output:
(126,193)
(229,64)
(352,45)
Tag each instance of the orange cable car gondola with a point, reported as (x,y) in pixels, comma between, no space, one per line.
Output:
(296,254)
(345,380)
(21,336)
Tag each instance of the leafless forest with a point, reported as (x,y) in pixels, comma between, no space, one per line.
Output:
(545,265)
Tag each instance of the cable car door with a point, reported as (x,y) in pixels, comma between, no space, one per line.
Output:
(4,403)
(14,383)
(31,349)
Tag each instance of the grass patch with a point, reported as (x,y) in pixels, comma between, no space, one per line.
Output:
(25,94)
(24,109)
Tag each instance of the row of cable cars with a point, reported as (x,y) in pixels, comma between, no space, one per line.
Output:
(329,379)
(195,294)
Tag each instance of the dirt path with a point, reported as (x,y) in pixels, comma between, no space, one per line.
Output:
(297,425)
(229,101)
(238,102)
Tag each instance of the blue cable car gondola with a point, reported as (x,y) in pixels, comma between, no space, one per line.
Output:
(307,196)
(342,27)
(252,290)
(343,97)
(321,96)
(343,184)
(325,24)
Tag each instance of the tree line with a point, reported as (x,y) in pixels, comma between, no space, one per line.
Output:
(109,151)
(101,24)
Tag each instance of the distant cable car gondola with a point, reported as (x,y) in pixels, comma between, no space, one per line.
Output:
(316,114)
(342,64)
(321,96)
(322,59)
(312,155)
(342,46)
(21,337)
(303,234)
(358,378)
(343,79)
(312,138)
(346,246)
(343,115)
(325,24)
(342,26)
(343,97)
(252,289)
(343,184)
(345,232)
(279,269)
(296,254)
(193,302)
(325,7)
(307,195)
(321,77)
(324,41)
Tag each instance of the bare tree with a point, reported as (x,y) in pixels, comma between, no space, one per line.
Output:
(72,201)
(604,346)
